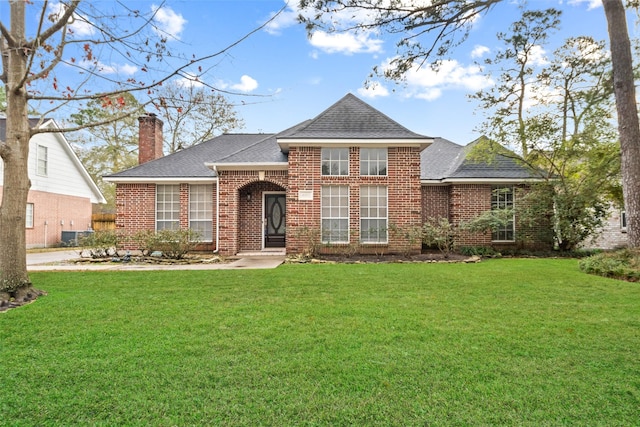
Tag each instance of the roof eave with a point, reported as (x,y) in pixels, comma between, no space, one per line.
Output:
(480,181)
(247,166)
(161,180)
(286,143)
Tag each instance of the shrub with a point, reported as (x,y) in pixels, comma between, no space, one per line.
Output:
(173,244)
(483,251)
(100,244)
(439,233)
(623,264)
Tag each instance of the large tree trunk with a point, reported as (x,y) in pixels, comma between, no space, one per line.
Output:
(15,286)
(628,125)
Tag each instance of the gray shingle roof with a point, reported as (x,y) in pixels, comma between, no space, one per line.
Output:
(445,160)
(351,118)
(190,162)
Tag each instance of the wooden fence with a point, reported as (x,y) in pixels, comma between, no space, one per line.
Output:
(103,222)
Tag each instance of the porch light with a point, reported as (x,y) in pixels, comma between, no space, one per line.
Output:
(248,197)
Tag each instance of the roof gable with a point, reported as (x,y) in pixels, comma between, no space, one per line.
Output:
(351,119)
(445,161)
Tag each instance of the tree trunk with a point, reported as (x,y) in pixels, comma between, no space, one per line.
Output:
(14,279)
(628,125)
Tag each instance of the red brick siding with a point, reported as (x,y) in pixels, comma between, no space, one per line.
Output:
(403,186)
(435,202)
(60,212)
(234,185)
(136,211)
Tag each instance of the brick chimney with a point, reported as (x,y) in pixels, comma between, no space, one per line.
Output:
(149,138)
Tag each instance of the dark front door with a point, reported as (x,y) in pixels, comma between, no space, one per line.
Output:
(275,224)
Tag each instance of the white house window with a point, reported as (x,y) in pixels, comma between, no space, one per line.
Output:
(201,211)
(42,160)
(373,161)
(335,161)
(502,198)
(167,207)
(29,215)
(335,214)
(373,214)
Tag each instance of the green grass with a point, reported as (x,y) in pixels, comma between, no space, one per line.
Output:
(503,342)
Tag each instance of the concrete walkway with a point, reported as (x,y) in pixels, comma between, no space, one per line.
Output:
(58,261)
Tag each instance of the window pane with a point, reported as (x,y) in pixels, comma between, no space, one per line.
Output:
(373,214)
(335,161)
(167,207)
(29,215)
(502,198)
(335,214)
(201,211)
(42,155)
(373,161)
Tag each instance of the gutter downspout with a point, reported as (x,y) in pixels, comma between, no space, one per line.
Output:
(217,211)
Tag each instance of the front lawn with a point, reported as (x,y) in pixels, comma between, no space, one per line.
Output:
(515,342)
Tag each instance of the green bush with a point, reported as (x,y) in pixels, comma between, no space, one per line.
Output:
(483,251)
(100,244)
(623,264)
(173,244)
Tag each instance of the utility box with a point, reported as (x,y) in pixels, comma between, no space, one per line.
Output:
(71,238)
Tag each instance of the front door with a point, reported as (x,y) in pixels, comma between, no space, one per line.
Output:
(275,214)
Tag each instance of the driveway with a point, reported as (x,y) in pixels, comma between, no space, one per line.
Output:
(54,261)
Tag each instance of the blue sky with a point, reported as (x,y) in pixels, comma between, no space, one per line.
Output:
(288,77)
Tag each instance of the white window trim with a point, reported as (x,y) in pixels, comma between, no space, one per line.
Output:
(156,206)
(322,150)
(348,218)
(45,161)
(513,220)
(209,187)
(386,218)
(29,214)
(369,150)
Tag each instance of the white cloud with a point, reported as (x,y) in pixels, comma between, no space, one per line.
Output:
(346,43)
(479,51)
(428,83)
(167,21)
(286,18)
(374,90)
(537,56)
(591,4)
(247,84)
(188,81)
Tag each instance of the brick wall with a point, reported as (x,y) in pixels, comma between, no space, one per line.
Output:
(149,138)
(237,230)
(404,197)
(53,214)
(136,211)
(435,202)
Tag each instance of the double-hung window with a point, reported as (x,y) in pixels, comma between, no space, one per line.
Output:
(335,214)
(42,160)
(29,216)
(503,198)
(201,211)
(167,207)
(373,161)
(335,161)
(373,214)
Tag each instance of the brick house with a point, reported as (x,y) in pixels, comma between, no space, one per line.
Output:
(62,192)
(351,178)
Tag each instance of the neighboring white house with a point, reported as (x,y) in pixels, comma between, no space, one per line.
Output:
(62,191)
